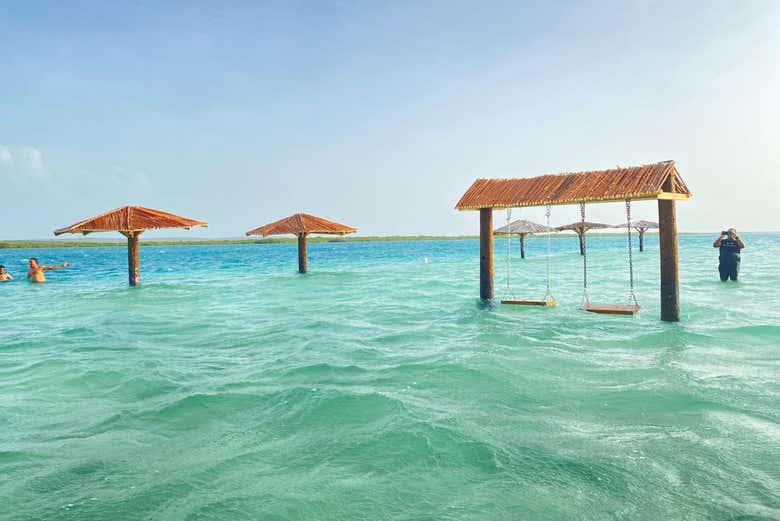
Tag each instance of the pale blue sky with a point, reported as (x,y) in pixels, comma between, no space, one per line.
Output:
(379,114)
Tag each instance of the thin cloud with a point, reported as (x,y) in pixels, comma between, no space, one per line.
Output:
(123,176)
(6,158)
(31,160)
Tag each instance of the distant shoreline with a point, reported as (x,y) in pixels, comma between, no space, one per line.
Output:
(20,244)
(215,242)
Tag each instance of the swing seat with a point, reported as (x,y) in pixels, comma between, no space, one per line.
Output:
(543,303)
(612,309)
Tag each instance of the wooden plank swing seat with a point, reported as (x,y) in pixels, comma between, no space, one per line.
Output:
(527,227)
(628,309)
(539,303)
(612,309)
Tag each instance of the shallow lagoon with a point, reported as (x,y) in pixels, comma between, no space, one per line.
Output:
(229,387)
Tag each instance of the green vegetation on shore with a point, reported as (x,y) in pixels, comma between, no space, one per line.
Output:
(288,240)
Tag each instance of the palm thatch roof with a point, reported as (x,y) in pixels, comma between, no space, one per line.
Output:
(616,184)
(645,225)
(576,226)
(129,219)
(523,227)
(302,224)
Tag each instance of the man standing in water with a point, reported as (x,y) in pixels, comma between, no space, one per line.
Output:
(4,276)
(35,273)
(730,245)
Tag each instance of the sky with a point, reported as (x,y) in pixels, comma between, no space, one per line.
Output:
(377,114)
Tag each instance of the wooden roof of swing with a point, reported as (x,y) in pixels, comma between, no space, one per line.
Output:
(616,184)
(302,223)
(521,226)
(131,219)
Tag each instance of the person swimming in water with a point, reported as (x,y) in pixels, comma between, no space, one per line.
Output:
(36,271)
(4,275)
(730,245)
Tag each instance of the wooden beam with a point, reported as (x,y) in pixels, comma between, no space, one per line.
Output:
(667,238)
(302,256)
(486,254)
(671,196)
(133,259)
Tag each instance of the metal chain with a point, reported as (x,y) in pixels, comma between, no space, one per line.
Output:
(548,296)
(509,293)
(585,296)
(631,294)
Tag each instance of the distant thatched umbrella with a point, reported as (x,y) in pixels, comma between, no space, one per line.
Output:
(581,229)
(302,225)
(641,227)
(131,221)
(522,228)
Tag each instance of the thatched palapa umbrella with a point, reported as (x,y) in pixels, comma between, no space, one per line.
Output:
(581,230)
(302,225)
(641,227)
(522,228)
(131,221)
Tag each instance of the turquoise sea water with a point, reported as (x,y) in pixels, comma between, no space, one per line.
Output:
(230,387)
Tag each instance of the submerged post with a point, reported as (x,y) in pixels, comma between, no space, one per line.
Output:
(581,235)
(667,238)
(641,239)
(522,246)
(133,259)
(486,254)
(302,253)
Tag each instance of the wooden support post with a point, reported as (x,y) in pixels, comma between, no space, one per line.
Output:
(667,238)
(486,254)
(641,239)
(522,246)
(302,259)
(581,235)
(133,259)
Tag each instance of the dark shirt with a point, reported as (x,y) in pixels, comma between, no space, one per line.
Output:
(729,250)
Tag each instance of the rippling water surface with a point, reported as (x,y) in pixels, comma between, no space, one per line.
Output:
(230,387)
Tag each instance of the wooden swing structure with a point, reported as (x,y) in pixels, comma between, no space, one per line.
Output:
(509,296)
(630,308)
(657,181)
